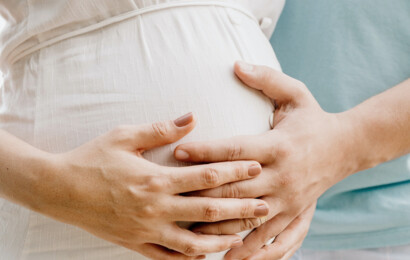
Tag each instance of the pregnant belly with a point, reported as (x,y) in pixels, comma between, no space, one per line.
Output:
(149,68)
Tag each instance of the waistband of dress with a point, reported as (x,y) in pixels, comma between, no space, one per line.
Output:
(149,6)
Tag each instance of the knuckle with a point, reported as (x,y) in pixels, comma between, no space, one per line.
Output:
(249,223)
(160,129)
(155,184)
(285,180)
(191,249)
(247,210)
(149,211)
(234,152)
(240,171)
(272,150)
(272,154)
(284,148)
(211,177)
(265,75)
(218,229)
(212,213)
(230,190)
(282,151)
(135,193)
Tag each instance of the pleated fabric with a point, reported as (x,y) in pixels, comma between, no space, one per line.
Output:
(76,69)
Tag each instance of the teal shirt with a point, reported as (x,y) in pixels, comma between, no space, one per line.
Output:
(346,51)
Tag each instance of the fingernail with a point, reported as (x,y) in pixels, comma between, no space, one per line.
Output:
(184,120)
(245,67)
(200,257)
(261,210)
(254,170)
(181,155)
(237,243)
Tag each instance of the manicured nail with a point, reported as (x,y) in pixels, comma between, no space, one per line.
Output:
(237,243)
(181,155)
(254,170)
(184,120)
(261,211)
(245,67)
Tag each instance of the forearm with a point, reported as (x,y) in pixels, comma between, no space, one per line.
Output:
(21,170)
(380,127)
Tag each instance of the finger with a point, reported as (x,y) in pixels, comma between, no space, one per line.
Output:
(229,227)
(232,149)
(238,225)
(276,227)
(199,177)
(148,136)
(253,188)
(292,251)
(284,242)
(272,83)
(212,210)
(153,251)
(259,237)
(191,244)
(264,253)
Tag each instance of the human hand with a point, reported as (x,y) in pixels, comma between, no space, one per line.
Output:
(305,154)
(107,188)
(285,244)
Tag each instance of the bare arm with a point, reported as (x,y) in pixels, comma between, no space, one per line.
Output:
(107,188)
(22,168)
(307,152)
(380,127)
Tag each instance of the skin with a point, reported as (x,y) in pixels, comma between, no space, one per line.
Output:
(307,152)
(107,188)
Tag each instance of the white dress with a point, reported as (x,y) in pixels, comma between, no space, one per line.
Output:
(74,69)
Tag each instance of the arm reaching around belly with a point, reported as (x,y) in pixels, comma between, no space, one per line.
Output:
(107,188)
(307,152)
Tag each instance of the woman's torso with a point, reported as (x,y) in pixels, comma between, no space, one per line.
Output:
(152,66)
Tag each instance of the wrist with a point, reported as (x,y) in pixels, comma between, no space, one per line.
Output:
(35,179)
(21,173)
(42,175)
(360,150)
(340,153)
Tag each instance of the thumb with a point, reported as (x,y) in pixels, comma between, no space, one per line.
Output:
(148,136)
(274,84)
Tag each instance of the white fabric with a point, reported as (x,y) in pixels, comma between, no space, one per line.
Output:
(383,253)
(152,66)
(34,23)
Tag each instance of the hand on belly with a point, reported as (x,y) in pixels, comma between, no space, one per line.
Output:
(107,188)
